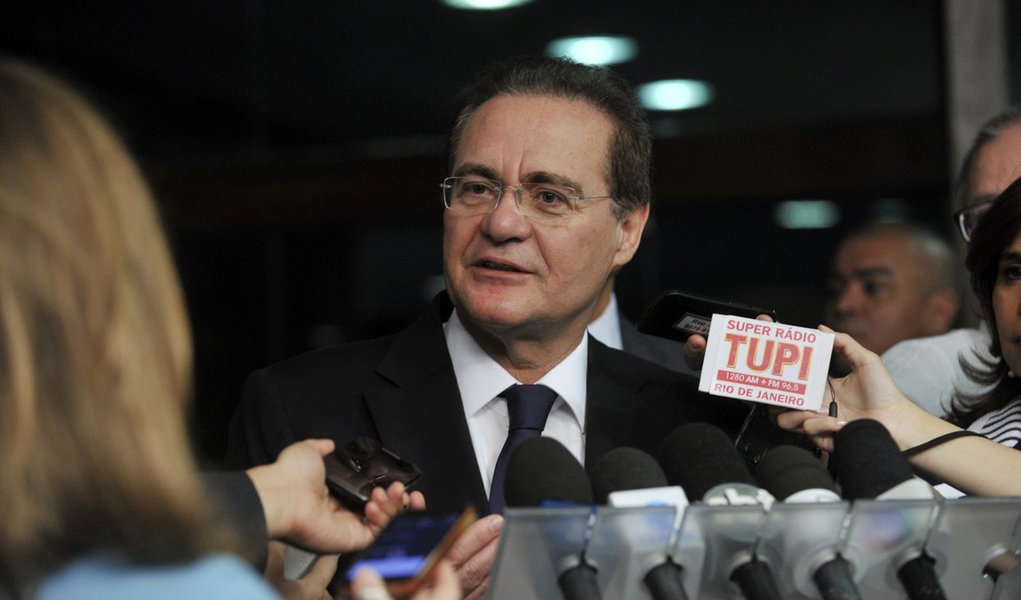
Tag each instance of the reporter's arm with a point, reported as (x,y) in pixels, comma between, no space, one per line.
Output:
(236,501)
(973,465)
(300,510)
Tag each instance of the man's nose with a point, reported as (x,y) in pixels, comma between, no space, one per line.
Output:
(849,299)
(505,221)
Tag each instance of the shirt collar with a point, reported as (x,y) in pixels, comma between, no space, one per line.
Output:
(606,327)
(480,379)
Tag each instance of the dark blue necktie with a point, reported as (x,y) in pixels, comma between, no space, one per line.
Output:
(528,406)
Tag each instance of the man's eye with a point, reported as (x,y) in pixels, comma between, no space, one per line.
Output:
(873,288)
(473,190)
(550,200)
(549,197)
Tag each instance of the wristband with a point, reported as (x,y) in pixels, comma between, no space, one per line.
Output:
(936,441)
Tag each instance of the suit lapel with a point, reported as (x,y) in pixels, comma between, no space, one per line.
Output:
(421,418)
(609,404)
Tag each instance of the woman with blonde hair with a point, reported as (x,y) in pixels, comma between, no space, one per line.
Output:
(97,487)
(99,496)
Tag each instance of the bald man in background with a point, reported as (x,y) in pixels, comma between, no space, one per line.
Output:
(891,282)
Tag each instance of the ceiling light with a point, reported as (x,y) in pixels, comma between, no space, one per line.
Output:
(674,94)
(484,4)
(594,50)
(806,214)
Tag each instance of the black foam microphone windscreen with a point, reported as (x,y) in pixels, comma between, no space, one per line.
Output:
(624,468)
(542,469)
(700,456)
(788,470)
(868,464)
(795,475)
(866,460)
(701,459)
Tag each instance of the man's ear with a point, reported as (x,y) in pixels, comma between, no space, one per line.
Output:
(943,306)
(629,232)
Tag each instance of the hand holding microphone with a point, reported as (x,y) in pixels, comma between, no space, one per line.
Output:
(868,392)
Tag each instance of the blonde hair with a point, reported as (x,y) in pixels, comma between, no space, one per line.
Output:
(95,350)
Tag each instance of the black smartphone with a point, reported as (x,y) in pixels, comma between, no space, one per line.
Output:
(408,548)
(354,469)
(678,315)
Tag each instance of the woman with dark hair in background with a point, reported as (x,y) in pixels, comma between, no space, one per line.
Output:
(984,464)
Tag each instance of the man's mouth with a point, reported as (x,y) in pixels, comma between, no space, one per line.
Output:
(498,266)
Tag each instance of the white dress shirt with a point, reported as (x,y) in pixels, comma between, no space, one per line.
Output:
(480,379)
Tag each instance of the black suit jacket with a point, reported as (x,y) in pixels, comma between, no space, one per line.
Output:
(401,390)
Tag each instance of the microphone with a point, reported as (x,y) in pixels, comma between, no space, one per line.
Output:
(542,472)
(702,459)
(868,464)
(794,476)
(629,477)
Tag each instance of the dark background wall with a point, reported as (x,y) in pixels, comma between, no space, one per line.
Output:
(296,147)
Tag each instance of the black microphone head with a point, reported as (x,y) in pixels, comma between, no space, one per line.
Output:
(543,469)
(624,469)
(866,460)
(700,456)
(786,470)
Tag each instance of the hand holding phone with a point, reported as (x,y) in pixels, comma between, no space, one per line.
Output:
(408,550)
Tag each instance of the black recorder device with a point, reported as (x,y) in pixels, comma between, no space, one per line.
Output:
(679,315)
(353,470)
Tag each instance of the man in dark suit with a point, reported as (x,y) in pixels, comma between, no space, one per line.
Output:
(548,195)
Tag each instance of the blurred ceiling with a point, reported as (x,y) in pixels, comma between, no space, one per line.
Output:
(258,80)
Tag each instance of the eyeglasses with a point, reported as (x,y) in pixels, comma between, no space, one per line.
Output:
(968,217)
(470,196)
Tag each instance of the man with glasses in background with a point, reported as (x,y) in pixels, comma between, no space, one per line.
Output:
(928,370)
(547,195)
